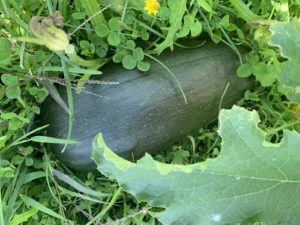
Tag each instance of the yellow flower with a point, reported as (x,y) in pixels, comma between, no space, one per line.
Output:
(151,6)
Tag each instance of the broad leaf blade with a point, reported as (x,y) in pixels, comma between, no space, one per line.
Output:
(251,179)
(286,36)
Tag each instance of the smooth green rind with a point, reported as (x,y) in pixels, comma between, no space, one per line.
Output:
(134,121)
(286,36)
(251,180)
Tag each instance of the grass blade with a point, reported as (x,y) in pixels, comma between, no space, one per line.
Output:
(108,207)
(5,7)
(19,140)
(73,183)
(32,176)
(91,8)
(1,208)
(12,194)
(50,7)
(36,205)
(78,195)
(72,70)
(52,140)
(55,95)
(70,100)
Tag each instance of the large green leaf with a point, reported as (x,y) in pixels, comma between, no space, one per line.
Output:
(252,180)
(286,35)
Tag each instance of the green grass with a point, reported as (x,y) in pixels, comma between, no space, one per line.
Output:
(35,188)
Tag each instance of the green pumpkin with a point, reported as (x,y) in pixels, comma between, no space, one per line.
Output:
(146,111)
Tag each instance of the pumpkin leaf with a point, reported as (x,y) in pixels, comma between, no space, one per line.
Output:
(250,181)
(286,36)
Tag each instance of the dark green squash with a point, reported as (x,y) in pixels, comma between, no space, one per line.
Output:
(146,112)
